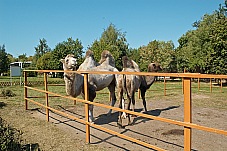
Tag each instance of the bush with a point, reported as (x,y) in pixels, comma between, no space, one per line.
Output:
(10,138)
(8,93)
(31,73)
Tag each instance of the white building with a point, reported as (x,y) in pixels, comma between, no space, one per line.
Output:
(21,64)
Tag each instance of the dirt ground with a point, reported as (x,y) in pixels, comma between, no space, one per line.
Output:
(66,134)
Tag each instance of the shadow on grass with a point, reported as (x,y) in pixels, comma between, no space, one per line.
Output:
(2,104)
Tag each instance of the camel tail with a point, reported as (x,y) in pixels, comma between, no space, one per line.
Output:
(124,84)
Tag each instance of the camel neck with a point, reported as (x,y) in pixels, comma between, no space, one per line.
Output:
(73,83)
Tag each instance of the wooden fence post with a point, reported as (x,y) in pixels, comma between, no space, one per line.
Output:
(210,85)
(86,96)
(164,86)
(25,90)
(139,93)
(221,86)
(46,97)
(187,113)
(198,84)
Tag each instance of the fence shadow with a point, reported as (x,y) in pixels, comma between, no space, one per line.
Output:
(155,112)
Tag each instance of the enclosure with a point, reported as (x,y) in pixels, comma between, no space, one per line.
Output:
(186,123)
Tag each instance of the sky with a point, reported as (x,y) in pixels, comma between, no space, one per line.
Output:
(24,22)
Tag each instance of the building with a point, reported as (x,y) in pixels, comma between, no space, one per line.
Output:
(21,64)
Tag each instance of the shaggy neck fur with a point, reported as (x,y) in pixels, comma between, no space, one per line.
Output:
(73,83)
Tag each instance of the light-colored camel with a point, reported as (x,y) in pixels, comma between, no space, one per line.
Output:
(128,84)
(74,82)
(106,63)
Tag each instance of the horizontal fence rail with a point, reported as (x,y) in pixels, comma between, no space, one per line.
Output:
(186,83)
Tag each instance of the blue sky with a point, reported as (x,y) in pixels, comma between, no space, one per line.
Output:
(24,22)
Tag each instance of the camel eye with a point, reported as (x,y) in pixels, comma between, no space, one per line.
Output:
(67,60)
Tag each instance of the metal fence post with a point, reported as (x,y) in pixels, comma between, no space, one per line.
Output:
(86,97)
(187,113)
(25,90)
(46,97)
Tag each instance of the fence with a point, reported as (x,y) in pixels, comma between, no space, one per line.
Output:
(187,124)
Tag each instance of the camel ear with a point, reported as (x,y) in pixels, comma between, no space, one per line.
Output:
(62,60)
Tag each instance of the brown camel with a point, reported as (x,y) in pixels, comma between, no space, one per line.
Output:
(147,81)
(128,84)
(131,83)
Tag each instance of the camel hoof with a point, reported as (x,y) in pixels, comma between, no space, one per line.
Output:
(120,126)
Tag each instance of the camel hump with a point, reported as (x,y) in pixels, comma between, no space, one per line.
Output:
(127,63)
(70,55)
(89,53)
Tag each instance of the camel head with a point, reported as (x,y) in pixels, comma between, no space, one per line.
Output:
(154,67)
(69,63)
(128,63)
(107,56)
(89,53)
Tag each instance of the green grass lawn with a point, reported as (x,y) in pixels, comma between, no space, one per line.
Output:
(202,97)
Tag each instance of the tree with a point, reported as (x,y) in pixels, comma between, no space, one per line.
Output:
(112,40)
(64,48)
(11,58)
(217,62)
(22,58)
(40,50)
(4,60)
(157,51)
(203,50)
(43,63)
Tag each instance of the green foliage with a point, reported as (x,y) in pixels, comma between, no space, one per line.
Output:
(10,138)
(43,62)
(4,60)
(31,74)
(40,50)
(204,49)
(218,38)
(64,48)
(112,40)
(157,51)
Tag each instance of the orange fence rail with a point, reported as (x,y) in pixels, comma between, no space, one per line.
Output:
(187,124)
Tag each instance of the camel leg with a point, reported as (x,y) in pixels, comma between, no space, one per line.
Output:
(143,98)
(119,122)
(91,117)
(133,103)
(92,95)
(113,97)
(128,108)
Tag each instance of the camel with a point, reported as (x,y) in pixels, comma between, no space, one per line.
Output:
(128,84)
(147,81)
(131,83)
(96,82)
(106,62)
